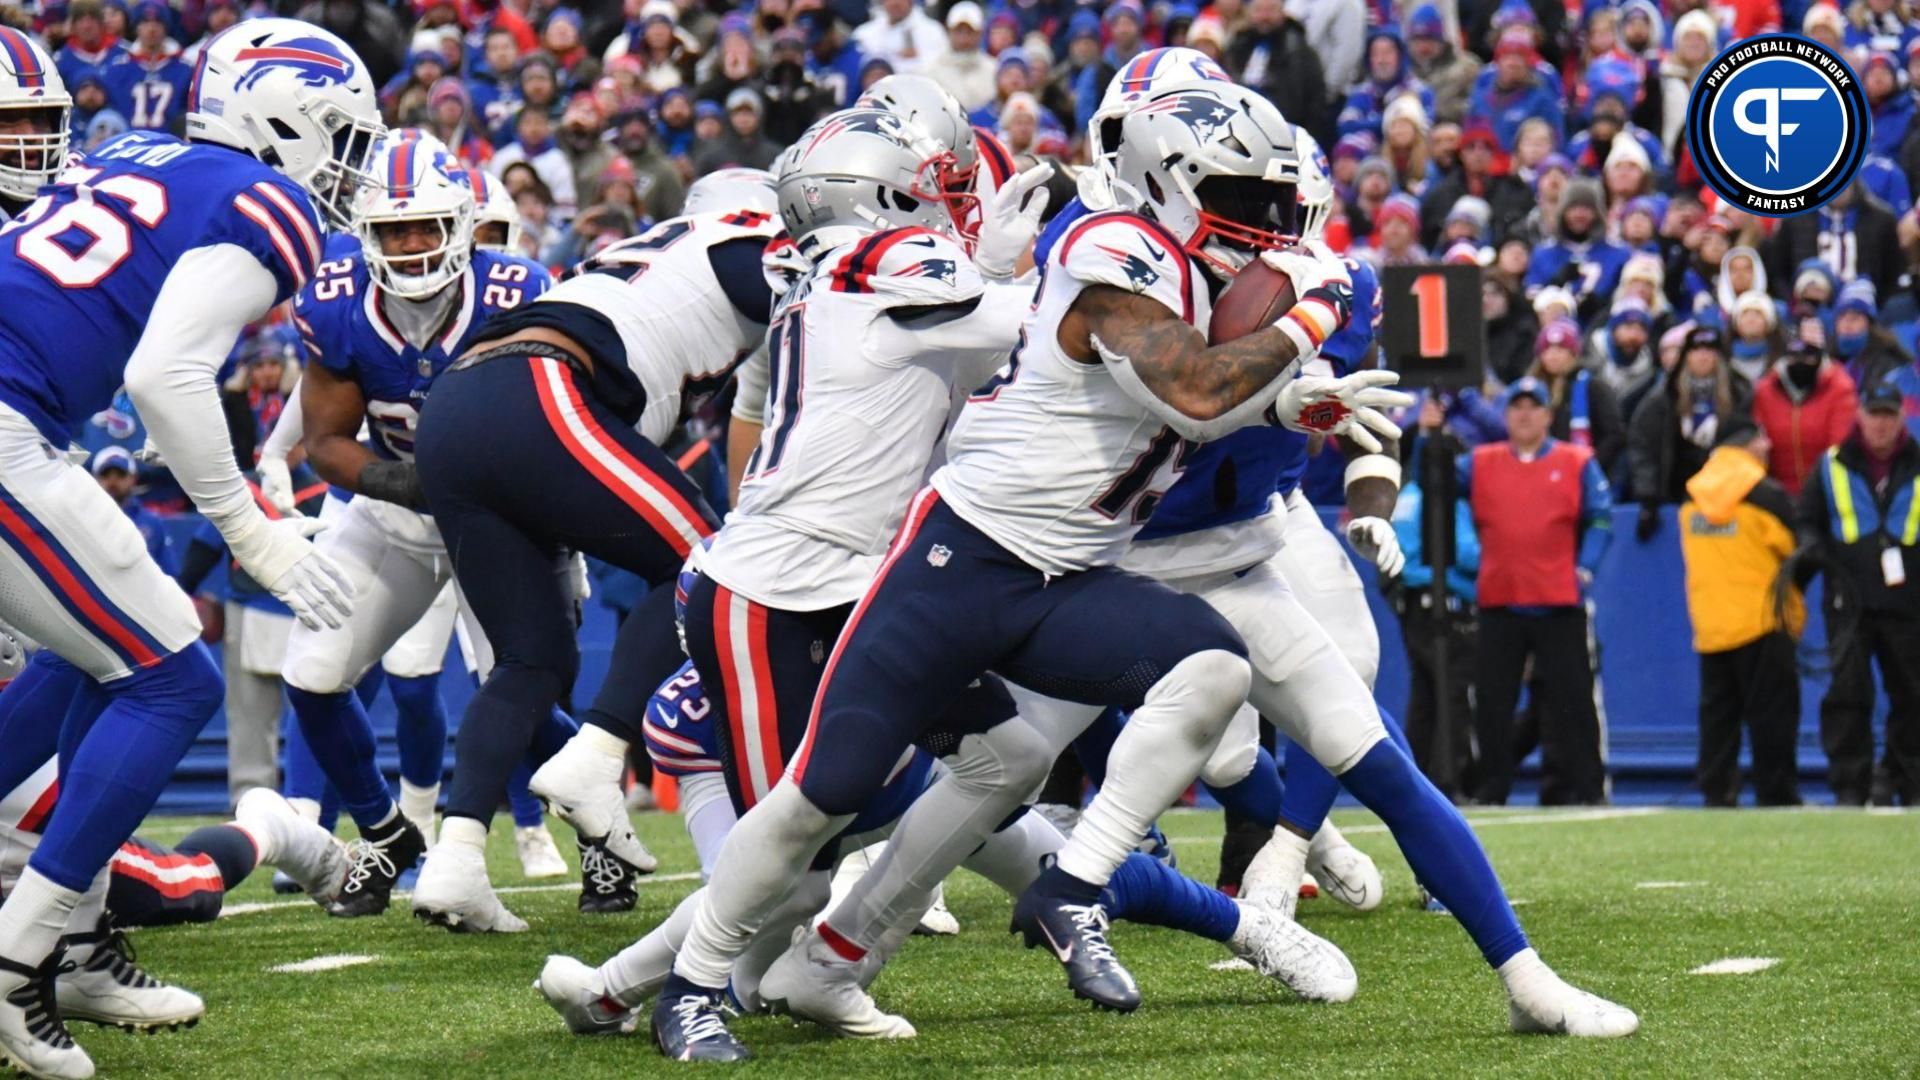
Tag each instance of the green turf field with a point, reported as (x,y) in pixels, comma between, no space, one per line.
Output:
(1834,896)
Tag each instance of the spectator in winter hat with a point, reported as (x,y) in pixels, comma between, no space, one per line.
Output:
(1640,224)
(1549,184)
(1674,428)
(579,140)
(1621,355)
(1805,403)
(872,70)
(1208,36)
(1644,275)
(1628,175)
(1696,39)
(403,101)
(1462,253)
(1532,145)
(1508,200)
(533,143)
(675,127)
(1516,91)
(744,144)
(1741,272)
(1554,302)
(1443,148)
(1756,338)
(1585,411)
(1388,75)
(1012,75)
(1615,85)
(1869,350)
(1447,70)
(1405,126)
(1580,256)
(658,181)
(1372,184)
(1346,156)
(733,64)
(1396,234)
(561,39)
(709,120)
(540,87)
(1891,106)
(1468,220)
(964,69)
(493,86)
(449,118)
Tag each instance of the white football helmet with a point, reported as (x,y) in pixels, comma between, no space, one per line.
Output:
(861,170)
(929,107)
(1315,186)
(495,212)
(724,190)
(416,183)
(1146,76)
(1217,165)
(294,96)
(30,85)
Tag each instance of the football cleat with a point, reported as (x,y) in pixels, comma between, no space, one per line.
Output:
(1077,935)
(374,863)
(814,983)
(690,1024)
(284,884)
(1283,950)
(539,858)
(313,861)
(453,891)
(33,1038)
(1273,878)
(106,987)
(582,786)
(579,995)
(1343,871)
(1540,1002)
(937,921)
(607,882)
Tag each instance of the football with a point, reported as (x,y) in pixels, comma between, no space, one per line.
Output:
(1256,297)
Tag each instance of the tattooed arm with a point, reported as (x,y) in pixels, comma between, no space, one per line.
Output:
(1166,364)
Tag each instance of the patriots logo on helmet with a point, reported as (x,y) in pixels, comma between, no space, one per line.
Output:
(1140,273)
(1205,114)
(943,270)
(872,121)
(315,61)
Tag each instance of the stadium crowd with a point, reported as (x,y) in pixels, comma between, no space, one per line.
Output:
(1542,141)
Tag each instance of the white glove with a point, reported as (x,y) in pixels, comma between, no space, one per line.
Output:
(1348,406)
(276,483)
(1375,539)
(582,583)
(1323,292)
(1007,228)
(149,455)
(277,554)
(1312,266)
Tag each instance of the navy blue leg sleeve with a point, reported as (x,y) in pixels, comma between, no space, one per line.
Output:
(1095,743)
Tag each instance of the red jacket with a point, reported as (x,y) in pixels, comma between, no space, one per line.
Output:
(1801,432)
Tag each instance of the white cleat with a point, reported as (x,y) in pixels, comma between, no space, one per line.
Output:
(539,858)
(812,982)
(1345,873)
(579,995)
(310,856)
(1272,879)
(453,891)
(582,785)
(1568,1010)
(107,988)
(33,1039)
(1283,950)
(937,921)
(1540,1002)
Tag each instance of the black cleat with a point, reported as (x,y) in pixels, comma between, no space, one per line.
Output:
(1076,932)
(606,880)
(374,864)
(690,1024)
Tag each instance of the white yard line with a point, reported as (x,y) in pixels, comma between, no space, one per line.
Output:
(1668,884)
(323,963)
(231,910)
(1562,817)
(1736,965)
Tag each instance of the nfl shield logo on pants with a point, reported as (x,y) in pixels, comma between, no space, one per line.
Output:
(938,555)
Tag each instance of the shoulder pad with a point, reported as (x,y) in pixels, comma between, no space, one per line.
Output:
(905,266)
(1129,252)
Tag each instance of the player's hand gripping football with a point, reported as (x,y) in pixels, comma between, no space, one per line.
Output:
(1323,292)
(278,554)
(1007,228)
(1350,406)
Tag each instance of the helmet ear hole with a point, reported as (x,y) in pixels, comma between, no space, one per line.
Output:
(1110,134)
(1154,192)
(282,128)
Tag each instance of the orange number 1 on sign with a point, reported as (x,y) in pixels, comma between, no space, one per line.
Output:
(1431,290)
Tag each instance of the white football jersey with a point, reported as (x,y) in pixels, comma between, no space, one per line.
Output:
(1052,459)
(858,396)
(682,336)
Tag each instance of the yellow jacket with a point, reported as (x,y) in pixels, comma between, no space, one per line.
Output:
(1735,531)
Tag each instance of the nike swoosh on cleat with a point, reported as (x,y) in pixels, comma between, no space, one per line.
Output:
(1066,954)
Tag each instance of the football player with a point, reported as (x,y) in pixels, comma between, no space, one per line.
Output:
(181,244)
(34,110)
(578,390)
(379,324)
(1005,564)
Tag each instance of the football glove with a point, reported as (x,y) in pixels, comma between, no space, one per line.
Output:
(1375,540)
(1011,220)
(276,483)
(1350,406)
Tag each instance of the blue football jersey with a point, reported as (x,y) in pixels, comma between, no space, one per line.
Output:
(81,268)
(1232,479)
(343,329)
(150,92)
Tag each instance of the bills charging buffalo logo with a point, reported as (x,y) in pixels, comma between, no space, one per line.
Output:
(1202,112)
(1140,273)
(314,61)
(942,270)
